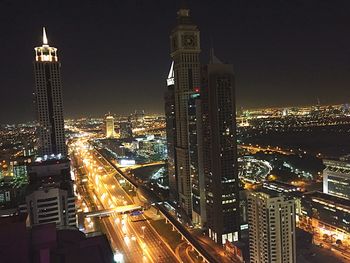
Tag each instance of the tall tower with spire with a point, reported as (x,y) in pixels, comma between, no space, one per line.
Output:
(48,100)
(185,50)
(169,109)
(218,152)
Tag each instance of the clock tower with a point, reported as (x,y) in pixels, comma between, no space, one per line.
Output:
(185,50)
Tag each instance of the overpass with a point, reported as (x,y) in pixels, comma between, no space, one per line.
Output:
(185,234)
(117,210)
(136,166)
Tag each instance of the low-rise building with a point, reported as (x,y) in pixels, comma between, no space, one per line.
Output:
(326,216)
(45,243)
(49,195)
(336,178)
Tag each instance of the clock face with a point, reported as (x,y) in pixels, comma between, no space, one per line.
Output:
(189,41)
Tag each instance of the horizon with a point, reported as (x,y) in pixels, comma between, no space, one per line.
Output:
(116,57)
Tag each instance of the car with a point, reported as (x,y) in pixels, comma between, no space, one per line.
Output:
(136,213)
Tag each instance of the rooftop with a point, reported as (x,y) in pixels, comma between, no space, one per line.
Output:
(327,198)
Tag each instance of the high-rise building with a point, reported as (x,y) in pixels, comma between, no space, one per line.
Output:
(48,100)
(50,197)
(125,129)
(271,218)
(197,176)
(336,178)
(218,148)
(185,50)
(110,133)
(169,98)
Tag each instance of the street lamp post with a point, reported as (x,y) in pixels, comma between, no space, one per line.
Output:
(143,231)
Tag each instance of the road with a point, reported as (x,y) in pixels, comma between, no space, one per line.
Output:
(258,148)
(135,239)
(339,252)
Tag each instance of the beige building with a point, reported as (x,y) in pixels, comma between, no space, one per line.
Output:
(271,219)
(185,50)
(48,205)
(110,133)
(49,195)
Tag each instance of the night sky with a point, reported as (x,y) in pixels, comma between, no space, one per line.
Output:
(115,54)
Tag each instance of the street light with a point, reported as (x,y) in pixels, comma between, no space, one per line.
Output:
(118,257)
(143,231)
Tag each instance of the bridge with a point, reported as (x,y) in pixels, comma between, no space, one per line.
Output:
(136,166)
(185,234)
(117,210)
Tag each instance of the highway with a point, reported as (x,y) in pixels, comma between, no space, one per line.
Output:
(182,229)
(135,239)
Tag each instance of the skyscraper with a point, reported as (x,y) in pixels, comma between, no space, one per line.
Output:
(169,98)
(218,150)
(194,132)
(185,49)
(48,100)
(126,128)
(110,133)
(271,218)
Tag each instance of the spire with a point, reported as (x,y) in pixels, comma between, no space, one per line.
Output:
(170,79)
(212,58)
(171,72)
(45,42)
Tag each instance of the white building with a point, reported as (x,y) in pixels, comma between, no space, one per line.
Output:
(48,100)
(271,219)
(48,205)
(50,197)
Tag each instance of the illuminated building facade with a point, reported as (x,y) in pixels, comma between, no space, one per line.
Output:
(169,108)
(288,190)
(336,178)
(48,100)
(185,50)
(271,220)
(18,166)
(219,151)
(110,132)
(326,216)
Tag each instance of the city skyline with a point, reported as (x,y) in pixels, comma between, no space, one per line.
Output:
(93,41)
(207,181)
